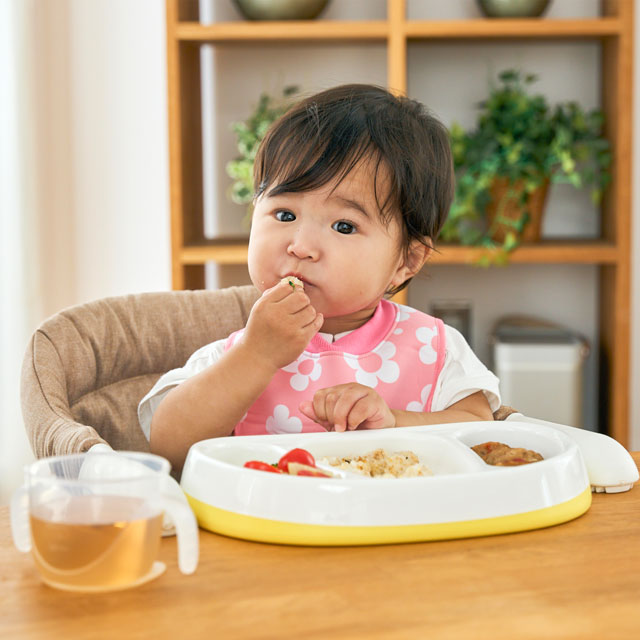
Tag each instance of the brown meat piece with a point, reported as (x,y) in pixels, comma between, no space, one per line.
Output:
(502,455)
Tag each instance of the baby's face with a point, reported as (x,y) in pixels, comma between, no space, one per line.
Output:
(333,240)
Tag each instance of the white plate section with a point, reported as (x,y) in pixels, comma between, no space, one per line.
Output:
(609,465)
(462,488)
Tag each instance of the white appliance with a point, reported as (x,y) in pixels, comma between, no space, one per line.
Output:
(540,366)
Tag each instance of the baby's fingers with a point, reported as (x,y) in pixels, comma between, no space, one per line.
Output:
(340,410)
(320,409)
(367,412)
(306,408)
(323,402)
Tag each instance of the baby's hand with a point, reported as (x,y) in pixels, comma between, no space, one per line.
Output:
(281,324)
(348,406)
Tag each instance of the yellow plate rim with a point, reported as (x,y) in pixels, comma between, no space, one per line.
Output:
(248,527)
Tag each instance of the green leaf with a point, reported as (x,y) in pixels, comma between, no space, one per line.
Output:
(249,133)
(510,241)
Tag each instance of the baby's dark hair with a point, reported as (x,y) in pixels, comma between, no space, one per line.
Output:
(326,135)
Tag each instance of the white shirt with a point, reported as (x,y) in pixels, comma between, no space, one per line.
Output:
(462,375)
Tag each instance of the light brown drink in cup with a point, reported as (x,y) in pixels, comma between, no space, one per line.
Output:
(101,542)
(93,521)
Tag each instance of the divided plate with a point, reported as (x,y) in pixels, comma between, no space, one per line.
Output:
(465,497)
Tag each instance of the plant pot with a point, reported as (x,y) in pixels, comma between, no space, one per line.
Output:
(505,202)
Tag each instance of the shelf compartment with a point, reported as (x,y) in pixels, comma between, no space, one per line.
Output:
(597,252)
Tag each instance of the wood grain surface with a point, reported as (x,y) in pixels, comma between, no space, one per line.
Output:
(577,580)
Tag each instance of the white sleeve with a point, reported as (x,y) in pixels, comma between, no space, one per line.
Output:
(463,374)
(198,361)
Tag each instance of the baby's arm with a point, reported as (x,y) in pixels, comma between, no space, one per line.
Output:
(211,403)
(469,409)
(355,406)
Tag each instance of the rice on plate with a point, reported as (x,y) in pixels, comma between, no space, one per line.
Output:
(381,464)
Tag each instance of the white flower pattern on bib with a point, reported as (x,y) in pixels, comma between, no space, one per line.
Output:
(282,422)
(375,366)
(419,405)
(304,370)
(428,354)
(404,313)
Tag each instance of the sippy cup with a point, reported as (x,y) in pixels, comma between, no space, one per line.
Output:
(93,521)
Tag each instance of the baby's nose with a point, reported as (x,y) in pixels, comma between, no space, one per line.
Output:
(304,246)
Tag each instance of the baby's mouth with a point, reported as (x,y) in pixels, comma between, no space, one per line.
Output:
(305,282)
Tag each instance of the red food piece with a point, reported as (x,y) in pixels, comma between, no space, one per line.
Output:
(300,456)
(258,465)
(297,469)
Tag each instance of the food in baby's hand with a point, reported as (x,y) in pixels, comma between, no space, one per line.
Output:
(380,464)
(293,282)
(502,455)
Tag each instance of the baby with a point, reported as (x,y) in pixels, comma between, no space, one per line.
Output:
(352,186)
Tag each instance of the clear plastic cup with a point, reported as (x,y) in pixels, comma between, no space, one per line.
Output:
(93,521)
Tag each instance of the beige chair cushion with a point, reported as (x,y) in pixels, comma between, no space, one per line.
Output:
(87,368)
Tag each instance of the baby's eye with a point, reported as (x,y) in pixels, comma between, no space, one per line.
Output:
(285,216)
(342,226)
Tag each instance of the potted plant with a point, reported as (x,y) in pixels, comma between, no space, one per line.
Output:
(249,134)
(505,164)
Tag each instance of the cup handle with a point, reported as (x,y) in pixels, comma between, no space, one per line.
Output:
(186,531)
(20,528)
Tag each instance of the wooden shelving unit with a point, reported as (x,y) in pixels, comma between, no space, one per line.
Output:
(614,30)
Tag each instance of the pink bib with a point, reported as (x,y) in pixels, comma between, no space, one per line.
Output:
(399,352)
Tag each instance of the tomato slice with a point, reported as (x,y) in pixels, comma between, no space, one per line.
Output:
(313,473)
(301,456)
(297,469)
(261,466)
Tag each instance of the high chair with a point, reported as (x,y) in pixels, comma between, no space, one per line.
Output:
(86,368)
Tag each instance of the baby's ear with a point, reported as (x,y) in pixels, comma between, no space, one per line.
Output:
(414,258)
(417,255)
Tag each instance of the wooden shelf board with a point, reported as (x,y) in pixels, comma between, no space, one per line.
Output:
(286,31)
(596,252)
(379,29)
(513,28)
(234,252)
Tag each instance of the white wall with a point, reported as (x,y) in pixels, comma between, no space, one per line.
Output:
(91,101)
(119,147)
(98,70)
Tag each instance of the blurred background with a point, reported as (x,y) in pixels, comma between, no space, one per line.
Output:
(84,166)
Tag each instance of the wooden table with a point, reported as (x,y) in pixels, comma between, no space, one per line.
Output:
(577,580)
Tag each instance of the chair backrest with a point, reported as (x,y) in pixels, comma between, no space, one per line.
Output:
(87,368)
